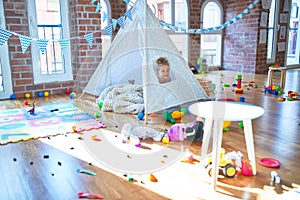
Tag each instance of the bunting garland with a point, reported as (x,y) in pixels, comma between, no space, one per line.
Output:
(89,38)
(98,8)
(64,43)
(121,21)
(105,16)
(4,35)
(25,41)
(42,43)
(211,29)
(128,14)
(109,29)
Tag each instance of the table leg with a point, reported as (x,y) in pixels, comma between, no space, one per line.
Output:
(250,143)
(206,136)
(217,142)
(270,77)
(282,79)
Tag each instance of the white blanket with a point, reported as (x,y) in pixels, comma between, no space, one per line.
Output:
(123,98)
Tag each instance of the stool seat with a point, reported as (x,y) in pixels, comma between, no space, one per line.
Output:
(282,76)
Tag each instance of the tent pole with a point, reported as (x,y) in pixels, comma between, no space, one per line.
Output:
(145,59)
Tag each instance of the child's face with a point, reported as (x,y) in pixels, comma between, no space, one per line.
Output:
(164,73)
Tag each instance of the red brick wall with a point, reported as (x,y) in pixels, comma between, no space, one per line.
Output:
(83,20)
(241,38)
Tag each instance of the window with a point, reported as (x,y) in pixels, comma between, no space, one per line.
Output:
(48,19)
(272,32)
(106,39)
(173,12)
(211,42)
(293,52)
(5,73)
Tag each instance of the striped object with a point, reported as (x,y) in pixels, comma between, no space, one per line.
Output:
(25,42)
(63,45)
(89,38)
(42,45)
(129,14)
(4,35)
(109,29)
(98,8)
(121,21)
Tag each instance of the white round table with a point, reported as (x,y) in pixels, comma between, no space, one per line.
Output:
(215,113)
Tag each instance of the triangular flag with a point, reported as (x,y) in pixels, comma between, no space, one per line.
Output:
(98,8)
(105,16)
(4,35)
(126,1)
(109,29)
(89,38)
(128,14)
(42,44)
(114,23)
(121,21)
(63,45)
(25,42)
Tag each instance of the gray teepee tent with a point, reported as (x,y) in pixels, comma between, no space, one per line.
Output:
(132,56)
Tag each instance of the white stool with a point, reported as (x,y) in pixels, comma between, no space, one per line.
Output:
(282,76)
(215,113)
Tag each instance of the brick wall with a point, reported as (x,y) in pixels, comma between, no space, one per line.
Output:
(241,38)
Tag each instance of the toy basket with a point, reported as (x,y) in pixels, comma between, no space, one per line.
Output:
(206,85)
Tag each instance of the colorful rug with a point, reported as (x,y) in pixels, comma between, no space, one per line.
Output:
(49,120)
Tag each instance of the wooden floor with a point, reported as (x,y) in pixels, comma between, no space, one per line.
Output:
(27,174)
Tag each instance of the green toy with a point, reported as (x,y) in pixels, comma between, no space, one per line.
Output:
(202,63)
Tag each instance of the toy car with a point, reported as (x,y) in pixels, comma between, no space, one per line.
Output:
(227,166)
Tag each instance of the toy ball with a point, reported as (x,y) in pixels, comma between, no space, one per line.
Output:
(46,94)
(165,139)
(140,116)
(12,96)
(26,103)
(72,95)
(242,99)
(40,94)
(27,95)
(177,114)
(68,91)
(97,115)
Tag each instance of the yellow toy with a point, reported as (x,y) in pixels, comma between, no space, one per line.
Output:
(177,114)
(228,167)
(226,125)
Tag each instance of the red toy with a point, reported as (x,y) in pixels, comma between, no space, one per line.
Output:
(239,88)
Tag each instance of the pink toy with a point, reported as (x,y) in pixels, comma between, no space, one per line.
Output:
(179,132)
(89,196)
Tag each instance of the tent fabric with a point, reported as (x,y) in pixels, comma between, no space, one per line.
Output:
(132,57)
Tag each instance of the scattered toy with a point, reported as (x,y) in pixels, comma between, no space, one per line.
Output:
(89,195)
(86,172)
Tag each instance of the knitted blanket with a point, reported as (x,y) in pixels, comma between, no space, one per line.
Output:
(123,98)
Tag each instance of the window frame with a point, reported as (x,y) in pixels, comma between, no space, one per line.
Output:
(215,32)
(38,77)
(272,59)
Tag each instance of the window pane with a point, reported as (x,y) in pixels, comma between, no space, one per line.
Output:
(180,14)
(271,32)
(49,27)
(211,49)
(212,15)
